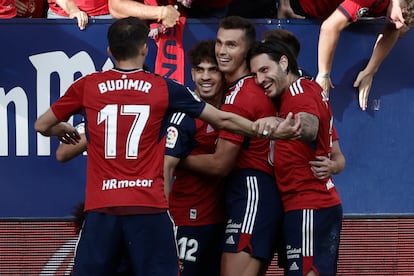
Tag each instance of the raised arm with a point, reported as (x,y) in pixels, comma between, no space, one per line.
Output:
(329,35)
(271,127)
(70,7)
(284,10)
(167,15)
(385,42)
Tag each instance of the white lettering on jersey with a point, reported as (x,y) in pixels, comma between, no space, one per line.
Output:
(124,84)
(109,184)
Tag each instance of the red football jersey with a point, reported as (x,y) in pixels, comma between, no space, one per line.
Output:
(92,8)
(7,9)
(195,199)
(352,9)
(298,187)
(249,100)
(125,118)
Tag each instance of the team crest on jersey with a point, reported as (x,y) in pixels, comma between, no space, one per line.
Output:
(362,12)
(172,136)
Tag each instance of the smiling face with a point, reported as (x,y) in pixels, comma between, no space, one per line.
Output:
(208,81)
(269,74)
(231,49)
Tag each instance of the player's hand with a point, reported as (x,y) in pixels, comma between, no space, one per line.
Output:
(21,8)
(170,16)
(322,167)
(394,14)
(264,127)
(363,82)
(185,3)
(81,17)
(66,133)
(287,12)
(290,128)
(325,82)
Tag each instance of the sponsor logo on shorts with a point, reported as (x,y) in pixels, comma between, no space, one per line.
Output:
(230,240)
(294,266)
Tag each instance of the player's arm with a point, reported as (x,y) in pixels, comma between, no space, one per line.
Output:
(48,125)
(284,10)
(70,7)
(385,42)
(220,163)
(66,152)
(309,126)
(270,128)
(170,163)
(167,15)
(323,167)
(328,38)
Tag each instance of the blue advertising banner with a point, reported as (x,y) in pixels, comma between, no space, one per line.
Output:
(41,58)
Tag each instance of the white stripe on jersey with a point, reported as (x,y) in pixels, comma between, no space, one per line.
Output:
(296,88)
(307,233)
(252,202)
(177,118)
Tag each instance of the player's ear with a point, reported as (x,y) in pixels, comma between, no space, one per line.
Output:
(284,63)
(144,49)
(108,50)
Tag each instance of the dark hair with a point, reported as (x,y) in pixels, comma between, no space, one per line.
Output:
(202,51)
(126,36)
(275,50)
(285,36)
(240,23)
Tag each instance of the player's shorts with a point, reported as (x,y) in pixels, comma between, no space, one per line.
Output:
(312,240)
(148,239)
(253,212)
(200,248)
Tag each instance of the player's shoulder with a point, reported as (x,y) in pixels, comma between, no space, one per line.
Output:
(304,86)
(180,118)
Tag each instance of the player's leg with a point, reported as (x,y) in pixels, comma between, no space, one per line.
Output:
(254,211)
(151,244)
(199,249)
(312,241)
(99,245)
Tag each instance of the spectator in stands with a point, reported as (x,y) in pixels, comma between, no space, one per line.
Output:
(7,9)
(339,14)
(196,200)
(79,9)
(312,206)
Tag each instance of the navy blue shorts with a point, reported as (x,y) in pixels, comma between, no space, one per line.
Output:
(200,248)
(147,239)
(254,212)
(312,240)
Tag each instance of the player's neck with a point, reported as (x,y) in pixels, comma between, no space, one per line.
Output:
(129,64)
(237,74)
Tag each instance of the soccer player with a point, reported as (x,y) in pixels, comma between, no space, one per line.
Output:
(313,210)
(197,200)
(253,207)
(125,109)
